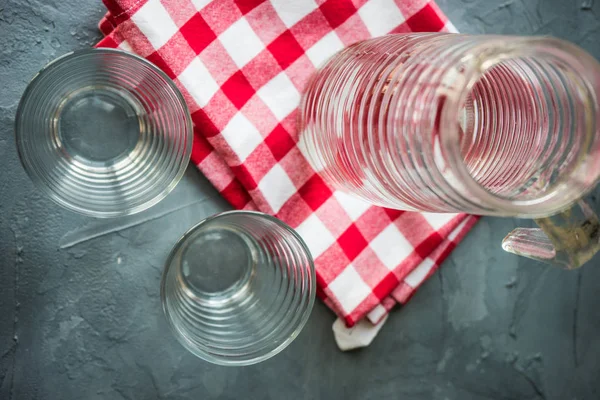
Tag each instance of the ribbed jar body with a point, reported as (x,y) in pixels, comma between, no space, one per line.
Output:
(456,123)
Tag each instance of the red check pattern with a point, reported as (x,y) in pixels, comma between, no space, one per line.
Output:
(241,66)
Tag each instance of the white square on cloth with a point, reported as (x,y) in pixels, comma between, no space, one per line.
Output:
(145,19)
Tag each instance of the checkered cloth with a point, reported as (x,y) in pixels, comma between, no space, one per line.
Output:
(241,66)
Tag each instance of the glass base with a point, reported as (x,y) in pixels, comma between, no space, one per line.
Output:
(98,126)
(216,263)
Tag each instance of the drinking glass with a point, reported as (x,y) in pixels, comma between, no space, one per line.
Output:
(103,132)
(489,125)
(238,288)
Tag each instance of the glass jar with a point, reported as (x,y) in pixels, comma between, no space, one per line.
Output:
(489,125)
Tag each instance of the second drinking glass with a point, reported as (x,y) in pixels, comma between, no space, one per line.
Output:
(238,288)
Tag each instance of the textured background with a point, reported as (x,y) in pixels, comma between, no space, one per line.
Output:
(79,306)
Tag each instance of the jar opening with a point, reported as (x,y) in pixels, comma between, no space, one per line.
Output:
(526,126)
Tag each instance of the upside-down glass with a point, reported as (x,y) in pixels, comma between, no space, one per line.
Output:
(238,288)
(103,132)
(489,125)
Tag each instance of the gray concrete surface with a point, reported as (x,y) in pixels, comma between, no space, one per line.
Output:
(79,306)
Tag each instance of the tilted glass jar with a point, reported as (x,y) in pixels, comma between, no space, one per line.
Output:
(489,125)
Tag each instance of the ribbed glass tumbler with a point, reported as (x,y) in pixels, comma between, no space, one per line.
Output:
(103,132)
(238,288)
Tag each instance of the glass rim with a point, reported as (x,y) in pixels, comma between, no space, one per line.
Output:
(262,357)
(52,194)
(491,54)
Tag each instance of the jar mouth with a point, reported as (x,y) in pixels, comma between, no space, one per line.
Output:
(519,128)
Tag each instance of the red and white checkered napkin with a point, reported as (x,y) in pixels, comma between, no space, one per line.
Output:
(242,65)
